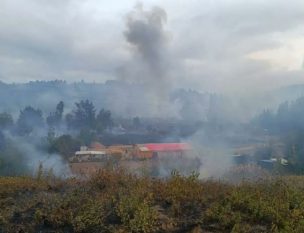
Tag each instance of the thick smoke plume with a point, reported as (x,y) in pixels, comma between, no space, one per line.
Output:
(26,155)
(50,162)
(150,58)
(151,72)
(145,31)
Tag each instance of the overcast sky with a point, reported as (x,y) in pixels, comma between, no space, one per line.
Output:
(214,45)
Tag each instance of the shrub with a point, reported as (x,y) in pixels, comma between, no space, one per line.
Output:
(136,214)
(115,201)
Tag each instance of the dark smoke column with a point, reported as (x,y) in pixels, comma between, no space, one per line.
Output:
(148,39)
(146,33)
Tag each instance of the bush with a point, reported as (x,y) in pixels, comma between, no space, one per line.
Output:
(136,214)
(115,201)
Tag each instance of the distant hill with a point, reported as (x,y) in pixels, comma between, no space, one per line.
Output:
(115,95)
(129,99)
(122,98)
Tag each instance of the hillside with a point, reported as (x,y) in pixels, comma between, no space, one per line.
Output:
(134,99)
(120,202)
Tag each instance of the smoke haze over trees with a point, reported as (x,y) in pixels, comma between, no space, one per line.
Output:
(200,73)
(155,116)
(54,120)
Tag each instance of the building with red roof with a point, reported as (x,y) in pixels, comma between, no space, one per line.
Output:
(152,150)
(158,147)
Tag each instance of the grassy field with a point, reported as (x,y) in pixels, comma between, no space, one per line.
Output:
(121,202)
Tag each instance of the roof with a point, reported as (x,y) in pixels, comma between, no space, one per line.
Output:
(97,146)
(90,152)
(158,147)
(143,148)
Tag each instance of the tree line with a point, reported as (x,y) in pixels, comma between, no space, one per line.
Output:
(287,124)
(82,117)
(287,118)
(58,132)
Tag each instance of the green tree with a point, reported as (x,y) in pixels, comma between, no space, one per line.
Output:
(282,122)
(86,137)
(29,119)
(64,145)
(55,118)
(2,141)
(295,151)
(6,120)
(12,161)
(104,120)
(136,122)
(83,116)
(266,120)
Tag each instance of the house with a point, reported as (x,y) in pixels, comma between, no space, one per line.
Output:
(158,150)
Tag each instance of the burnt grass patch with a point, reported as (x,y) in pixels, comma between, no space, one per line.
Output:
(116,201)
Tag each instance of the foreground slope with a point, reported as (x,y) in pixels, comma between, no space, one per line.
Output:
(120,202)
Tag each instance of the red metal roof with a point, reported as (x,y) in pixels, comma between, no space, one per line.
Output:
(167,146)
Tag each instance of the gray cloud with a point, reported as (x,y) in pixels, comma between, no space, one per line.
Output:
(204,44)
(40,40)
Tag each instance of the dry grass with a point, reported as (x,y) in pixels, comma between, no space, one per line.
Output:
(121,202)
